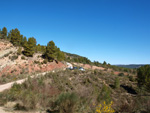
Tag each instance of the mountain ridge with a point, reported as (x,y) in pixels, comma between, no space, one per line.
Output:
(130,65)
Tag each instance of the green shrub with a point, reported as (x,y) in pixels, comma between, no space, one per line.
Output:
(19,51)
(45,61)
(112,73)
(29,99)
(36,62)
(143,76)
(104,95)
(95,72)
(131,78)
(121,74)
(126,70)
(6,55)
(13,57)
(23,58)
(18,106)
(67,102)
(117,83)
(14,92)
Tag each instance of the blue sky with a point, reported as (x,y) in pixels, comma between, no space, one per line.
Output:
(115,31)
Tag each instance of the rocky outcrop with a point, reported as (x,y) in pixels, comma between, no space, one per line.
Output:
(13,64)
(5,45)
(30,67)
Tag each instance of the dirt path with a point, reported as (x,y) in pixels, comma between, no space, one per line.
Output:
(2,111)
(9,85)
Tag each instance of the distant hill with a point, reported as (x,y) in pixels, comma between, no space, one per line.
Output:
(73,55)
(132,65)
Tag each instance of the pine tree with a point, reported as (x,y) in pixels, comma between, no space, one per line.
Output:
(38,48)
(60,55)
(104,63)
(24,41)
(21,38)
(50,51)
(4,33)
(9,36)
(43,49)
(15,37)
(29,47)
(143,77)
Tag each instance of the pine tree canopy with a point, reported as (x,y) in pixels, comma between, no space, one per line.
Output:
(50,51)
(29,47)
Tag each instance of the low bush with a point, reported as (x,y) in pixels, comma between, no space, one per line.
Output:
(104,95)
(19,51)
(67,102)
(36,62)
(131,78)
(22,57)
(18,106)
(117,83)
(45,61)
(95,72)
(121,74)
(6,55)
(14,57)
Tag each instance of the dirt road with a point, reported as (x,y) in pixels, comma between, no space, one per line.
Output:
(3,111)
(9,85)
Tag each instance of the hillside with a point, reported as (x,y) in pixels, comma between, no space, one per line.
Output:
(55,92)
(13,64)
(45,84)
(81,90)
(72,55)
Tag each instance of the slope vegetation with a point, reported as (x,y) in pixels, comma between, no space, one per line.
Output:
(76,91)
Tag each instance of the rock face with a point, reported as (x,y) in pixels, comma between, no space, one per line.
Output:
(13,64)
(30,67)
(5,45)
(5,48)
